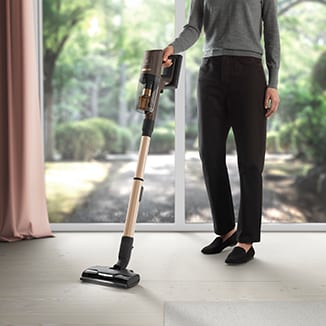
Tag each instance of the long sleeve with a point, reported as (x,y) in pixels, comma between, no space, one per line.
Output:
(271,41)
(192,30)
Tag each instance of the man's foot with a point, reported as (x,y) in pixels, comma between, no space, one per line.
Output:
(240,255)
(221,243)
(245,246)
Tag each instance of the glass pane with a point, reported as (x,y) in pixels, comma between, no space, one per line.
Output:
(93,51)
(295,168)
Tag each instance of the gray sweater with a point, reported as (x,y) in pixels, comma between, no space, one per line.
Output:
(234,27)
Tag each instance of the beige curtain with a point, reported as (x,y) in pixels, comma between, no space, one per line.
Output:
(23,211)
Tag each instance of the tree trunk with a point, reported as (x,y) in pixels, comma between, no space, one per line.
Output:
(94,97)
(286,5)
(123,104)
(49,141)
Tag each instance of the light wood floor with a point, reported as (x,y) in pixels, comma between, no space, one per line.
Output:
(39,279)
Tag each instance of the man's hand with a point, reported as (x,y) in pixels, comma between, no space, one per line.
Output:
(166,53)
(272,101)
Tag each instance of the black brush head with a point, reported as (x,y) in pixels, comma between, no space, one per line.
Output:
(109,276)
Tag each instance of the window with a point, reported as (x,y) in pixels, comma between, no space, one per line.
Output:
(92,56)
(295,173)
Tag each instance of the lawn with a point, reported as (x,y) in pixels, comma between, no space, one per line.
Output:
(69,183)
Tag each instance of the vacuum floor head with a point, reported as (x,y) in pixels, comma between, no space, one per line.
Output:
(109,276)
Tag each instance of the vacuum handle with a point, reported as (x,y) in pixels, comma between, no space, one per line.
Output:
(171,74)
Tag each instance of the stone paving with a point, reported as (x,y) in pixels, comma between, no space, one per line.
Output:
(108,203)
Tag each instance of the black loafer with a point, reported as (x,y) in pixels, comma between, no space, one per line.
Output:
(239,256)
(218,245)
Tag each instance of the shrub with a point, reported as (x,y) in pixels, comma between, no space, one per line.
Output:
(170,125)
(191,137)
(285,137)
(310,132)
(191,132)
(162,141)
(110,132)
(298,138)
(124,140)
(78,141)
(319,74)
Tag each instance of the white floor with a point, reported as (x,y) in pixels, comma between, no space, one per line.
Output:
(39,279)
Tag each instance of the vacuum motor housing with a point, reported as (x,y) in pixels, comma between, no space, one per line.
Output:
(149,81)
(153,80)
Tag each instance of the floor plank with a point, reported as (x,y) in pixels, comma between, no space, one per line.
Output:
(39,279)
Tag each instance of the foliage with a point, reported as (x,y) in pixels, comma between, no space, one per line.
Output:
(97,137)
(303,46)
(191,136)
(162,141)
(319,74)
(109,131)
(191,131)
(106,52)
(311,131)
(285,138)
(272,142)
(102,44)
(79,141)
(124,140)
(305,137)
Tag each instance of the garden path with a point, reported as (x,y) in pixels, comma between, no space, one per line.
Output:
(109,201)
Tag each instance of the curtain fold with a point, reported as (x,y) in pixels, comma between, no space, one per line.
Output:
(23,211)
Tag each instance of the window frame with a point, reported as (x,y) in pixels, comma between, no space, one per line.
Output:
(179,224)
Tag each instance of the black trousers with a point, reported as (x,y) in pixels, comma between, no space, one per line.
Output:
(231,92)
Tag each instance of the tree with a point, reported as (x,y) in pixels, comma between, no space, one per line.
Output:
(301,119)
(62,17)
(319,74)
(302,40)
(286,5)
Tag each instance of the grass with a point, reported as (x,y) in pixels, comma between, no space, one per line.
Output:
(69,183)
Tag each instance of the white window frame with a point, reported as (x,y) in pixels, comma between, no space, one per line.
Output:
(179,224)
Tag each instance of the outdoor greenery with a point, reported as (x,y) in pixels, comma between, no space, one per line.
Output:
(92,57)
(93,51)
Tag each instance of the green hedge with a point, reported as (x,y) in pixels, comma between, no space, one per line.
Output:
(78,141)
(124,141)
(91,138)
(306,136)
(117,139)
(310,133)
(191,137)
(110,132)
(162,141)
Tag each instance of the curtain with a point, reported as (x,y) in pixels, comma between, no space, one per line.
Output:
(23,211)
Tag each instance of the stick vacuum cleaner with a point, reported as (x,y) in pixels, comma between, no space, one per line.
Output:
(152,82)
